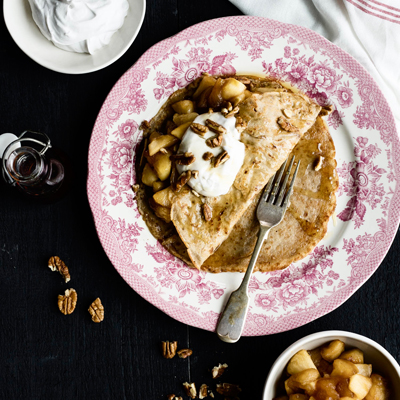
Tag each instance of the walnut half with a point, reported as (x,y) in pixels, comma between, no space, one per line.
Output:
(184,353)
(217,371)
(67,303)
(56,264)
(169,349)
(96,310)
(190,390)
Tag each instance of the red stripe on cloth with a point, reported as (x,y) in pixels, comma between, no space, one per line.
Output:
(379,9)
(385,5)
(372,13)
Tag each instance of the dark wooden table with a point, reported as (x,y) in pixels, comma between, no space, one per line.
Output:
(45,355)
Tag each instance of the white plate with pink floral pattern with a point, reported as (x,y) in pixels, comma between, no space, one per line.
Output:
(367,145)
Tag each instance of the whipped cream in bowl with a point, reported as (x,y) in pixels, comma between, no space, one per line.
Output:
(23,29)
(213,181)
(83,26)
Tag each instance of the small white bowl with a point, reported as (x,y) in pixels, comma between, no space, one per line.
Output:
(382,362)
(26,34)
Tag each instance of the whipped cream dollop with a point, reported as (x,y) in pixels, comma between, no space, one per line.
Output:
(83,26)
(213,181)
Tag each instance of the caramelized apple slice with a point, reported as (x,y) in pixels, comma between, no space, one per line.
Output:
(160,142)
(149,176)
(300,362)
(232,88)
(183,107)
(379,389)
(364,369)
(181,119)
(215,99)
(344,368)
(206,82)
(162,165)
(164,197)
(360,385)
(180,130)
(332,351)
(356,356)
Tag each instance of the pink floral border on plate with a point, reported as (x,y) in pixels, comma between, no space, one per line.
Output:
(367,145)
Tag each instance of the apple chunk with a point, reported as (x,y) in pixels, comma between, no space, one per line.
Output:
(160,142)
(162,165)
(232,88)
(360,385)
(149,176)
(356,356)
(333,350)
(379,389)
(180,130)
(164,197)
(183,107)
(299,362)
(344,368)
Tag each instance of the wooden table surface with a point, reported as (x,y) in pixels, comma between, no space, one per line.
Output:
(45,355)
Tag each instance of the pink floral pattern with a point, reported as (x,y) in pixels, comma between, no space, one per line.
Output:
(367,149)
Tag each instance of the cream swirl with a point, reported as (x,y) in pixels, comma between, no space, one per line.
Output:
(83,26)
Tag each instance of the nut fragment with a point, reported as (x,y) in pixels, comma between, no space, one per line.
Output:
(195,193)
(318,163)
(198,128)
(207,211)
(217,371)
(169,349)
(67,303)
(208,156)
(214,141)
(56,264)
(190,390)
(227,105)
(326,110)
(203,391)
(228,389)
(232,113)
(240,123)
(211,394)
(173,397)
(195,173)
(286,125)
(242,79)
(163,151)
(144,125)
(184,353)
(210,110)
(183,158)
(215,127)
(221,158)
(96,310)
(182,180)
(135,188)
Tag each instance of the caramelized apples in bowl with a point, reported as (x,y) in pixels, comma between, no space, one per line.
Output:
(333,365)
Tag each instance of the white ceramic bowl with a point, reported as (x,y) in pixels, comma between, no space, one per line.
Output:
(382,362)
(24,31)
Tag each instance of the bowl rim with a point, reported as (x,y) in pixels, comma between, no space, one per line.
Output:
(60,68)
(320,335)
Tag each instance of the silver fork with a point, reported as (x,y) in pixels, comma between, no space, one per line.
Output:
(270,212)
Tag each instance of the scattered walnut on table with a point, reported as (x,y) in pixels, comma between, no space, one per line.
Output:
(96,310)
(67,302)
(228,389)
(190,389)
(184,353)
(286,125)
(203,391)
(56,264)
(169,349)
(217,371)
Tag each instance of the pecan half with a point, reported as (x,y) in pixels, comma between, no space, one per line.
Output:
(214,141)
(169,349)
(96,310)
(207,212)
(208,156)
(215,127)
(203,391)
(190,389)
(183,158)
(326,110)
(56,264)
(286,125)
(198,128)
(67,303)
(221,158)
(182,180)
(184,353)
(217,371)
(228,389)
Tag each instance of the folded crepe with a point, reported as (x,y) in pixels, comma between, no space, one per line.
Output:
(276,121)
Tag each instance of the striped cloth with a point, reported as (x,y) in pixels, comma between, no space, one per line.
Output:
(369,30)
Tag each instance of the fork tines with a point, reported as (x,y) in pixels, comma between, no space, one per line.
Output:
(275,190)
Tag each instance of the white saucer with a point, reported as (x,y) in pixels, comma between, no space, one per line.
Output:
(22,28)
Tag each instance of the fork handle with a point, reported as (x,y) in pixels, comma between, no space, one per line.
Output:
(231,323)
